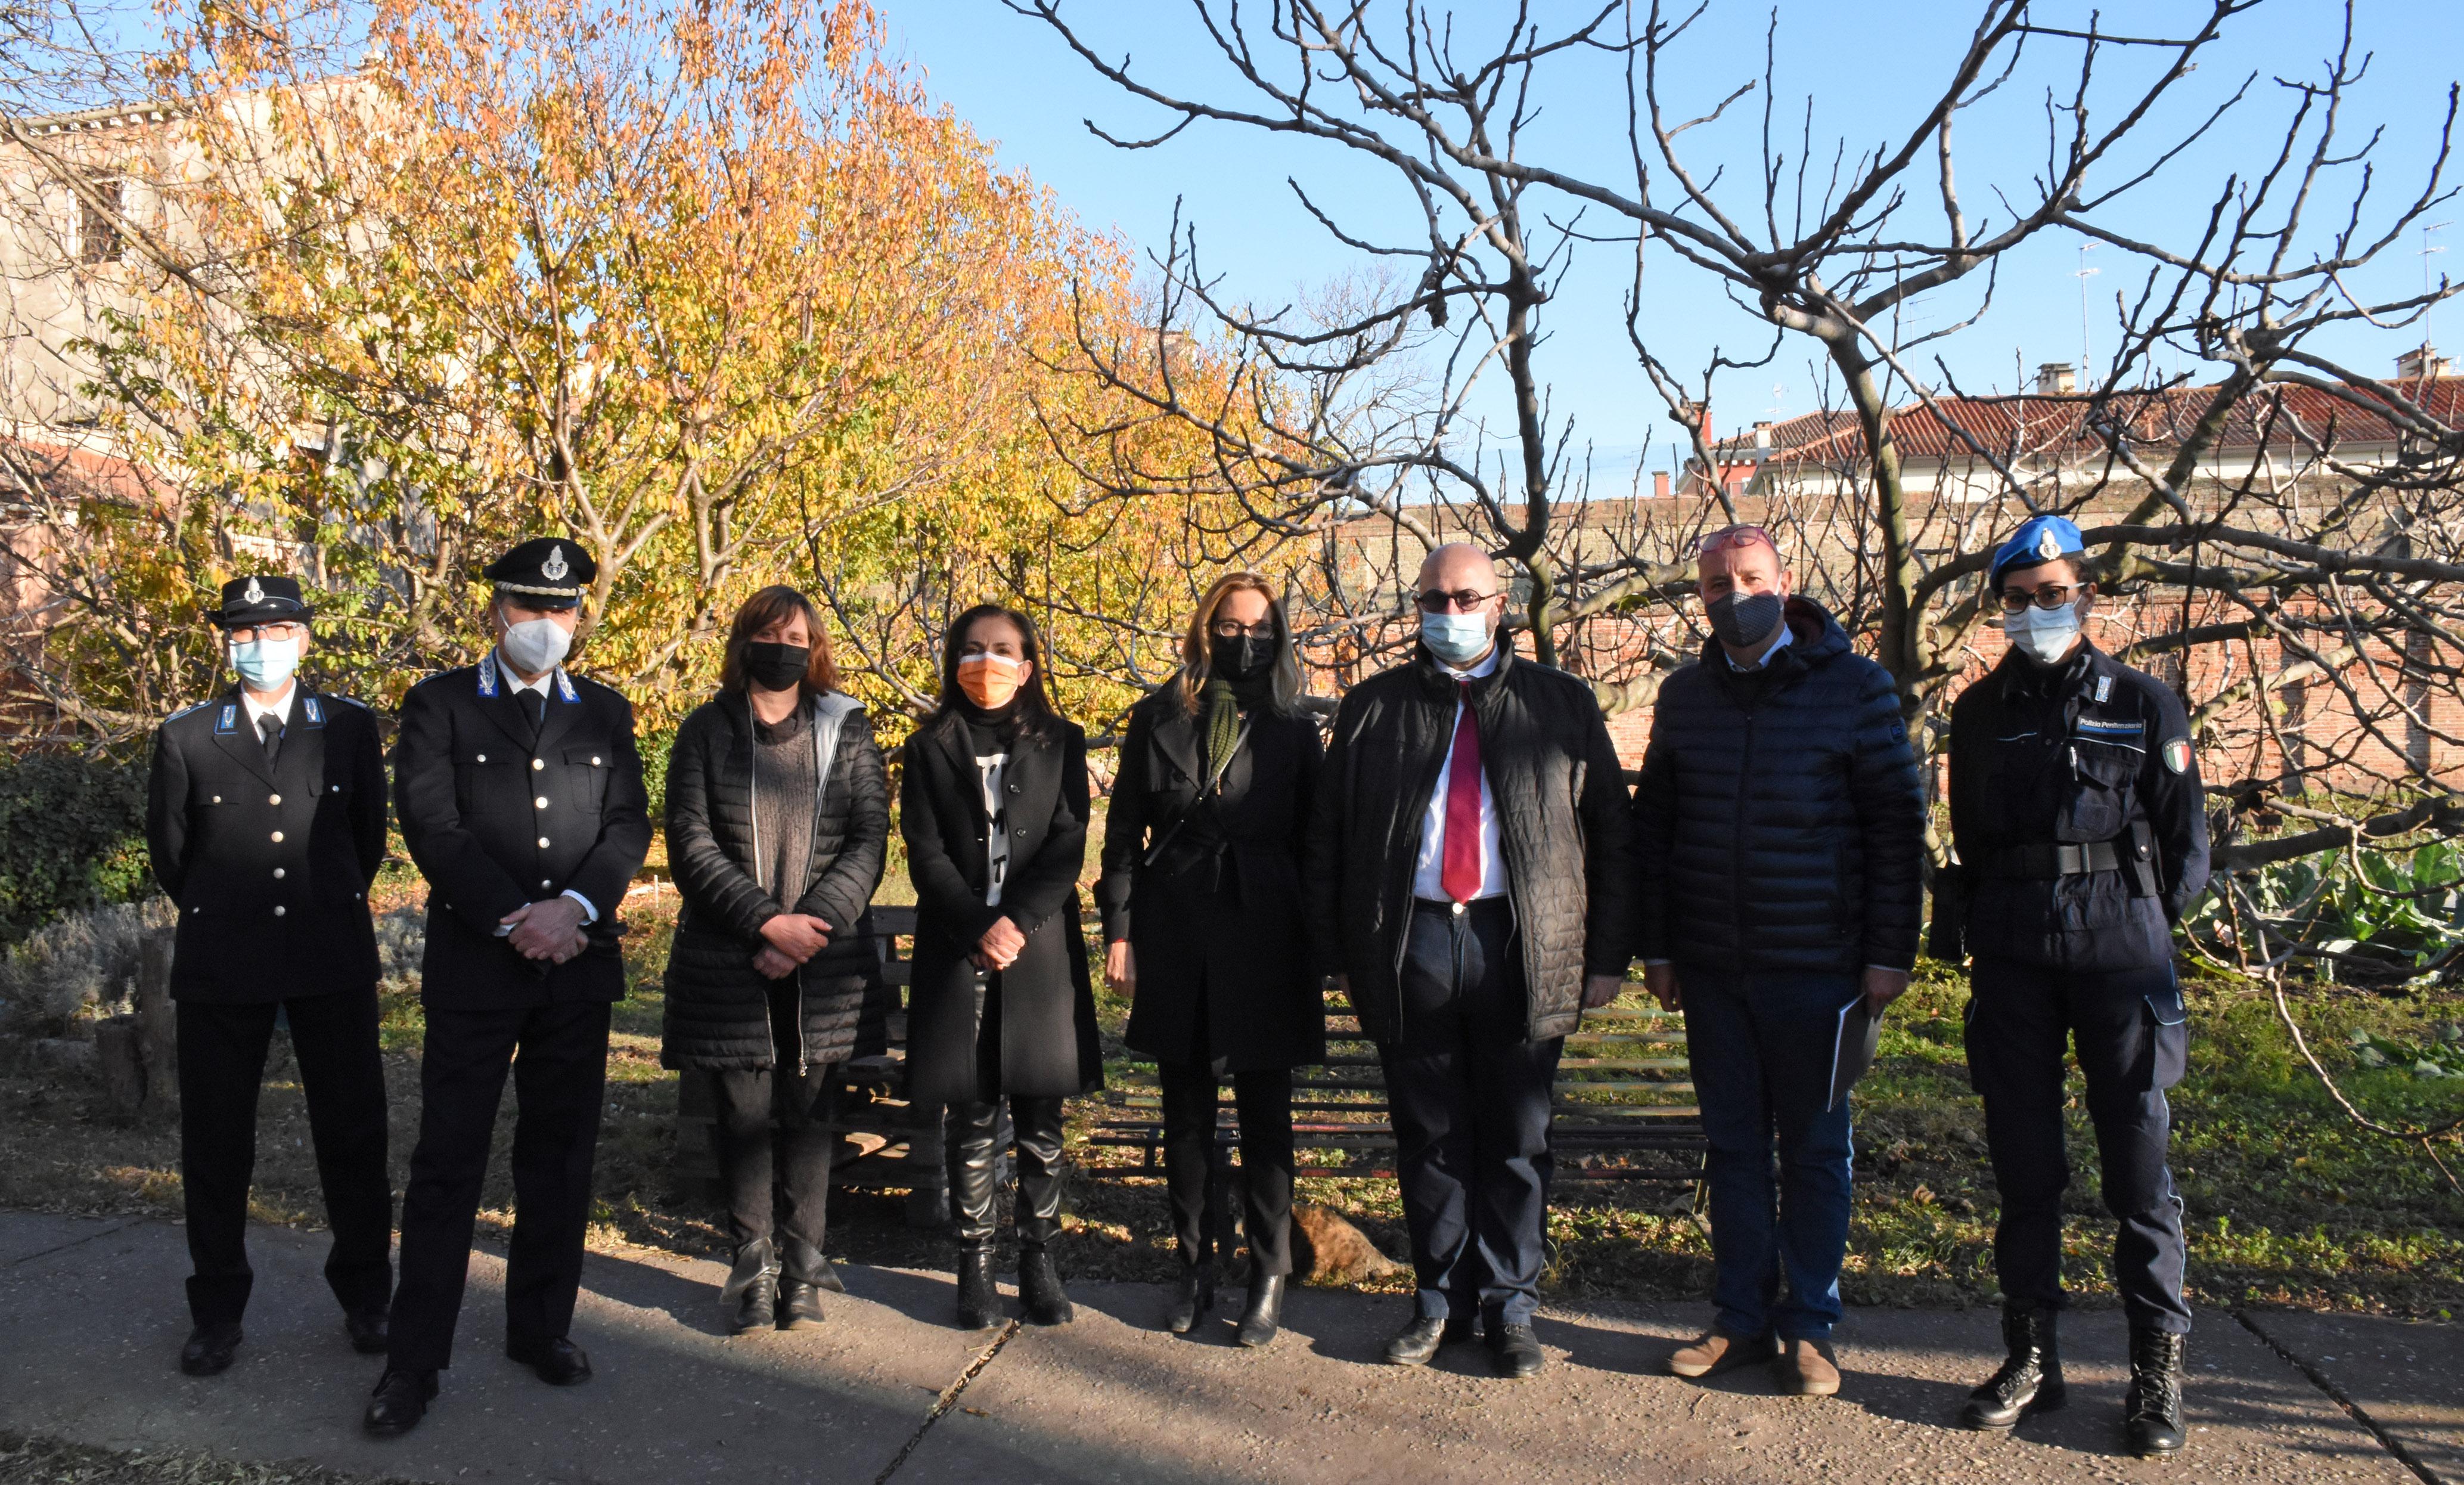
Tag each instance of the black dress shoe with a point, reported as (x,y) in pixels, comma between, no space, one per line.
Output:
(209,1348)
(401,1400)
(1515,1351)
(799,1305)
(1417,1343)
(1265,1315)
(558,1362)
(368,1330)
(1040,1293)
(1190,1299)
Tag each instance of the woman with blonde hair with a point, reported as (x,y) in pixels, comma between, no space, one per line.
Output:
(1201,895)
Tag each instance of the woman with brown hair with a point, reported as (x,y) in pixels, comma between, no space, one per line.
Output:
(993,806)
(1202,837)
(778,818)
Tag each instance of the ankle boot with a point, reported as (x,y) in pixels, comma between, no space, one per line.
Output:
(751,1292)
(803,1274)
(2152,1416)
(1191,1299)
(979,1305)
(1040,1293)
(2031,1379)
(1265,1315)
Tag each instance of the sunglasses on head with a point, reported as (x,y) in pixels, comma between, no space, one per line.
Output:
(1729,538)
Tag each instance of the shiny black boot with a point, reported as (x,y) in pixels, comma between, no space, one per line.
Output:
(2152,1415)
(980,1302)
(2031,1379)
(1039,1292)
(1194,1297)
(1264,1314)
(751,1292)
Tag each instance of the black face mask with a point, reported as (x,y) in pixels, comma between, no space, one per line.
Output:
(1744,620)
(1245,657)
(776,667)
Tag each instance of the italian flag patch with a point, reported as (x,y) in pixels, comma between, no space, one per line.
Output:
(2177,755)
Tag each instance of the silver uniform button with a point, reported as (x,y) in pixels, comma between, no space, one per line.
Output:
(539,803)
(279,910)
(273,799)
(218,799)
(543,884)
(483,757)
(277,873)
(536,763)
(594,762)
(542,843)
(338,788)
(277,837)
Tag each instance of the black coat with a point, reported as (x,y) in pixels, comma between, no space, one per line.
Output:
(1048,1005)
(1562,826)
(1780,813)
(270,868)
(1225,968)
(718,1011)
(496,818)
(2090,751)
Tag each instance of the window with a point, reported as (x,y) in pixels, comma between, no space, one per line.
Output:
(98,239)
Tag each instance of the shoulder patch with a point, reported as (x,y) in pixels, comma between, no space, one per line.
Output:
(2103,689)
(351,702)
(2177,754)
(194,706)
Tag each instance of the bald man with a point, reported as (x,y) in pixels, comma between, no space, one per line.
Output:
(1469,865)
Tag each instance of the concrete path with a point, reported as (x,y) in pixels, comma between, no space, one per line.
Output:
(92,1317)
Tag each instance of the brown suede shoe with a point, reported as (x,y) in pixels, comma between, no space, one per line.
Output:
(1808,1370)
(1716,1351)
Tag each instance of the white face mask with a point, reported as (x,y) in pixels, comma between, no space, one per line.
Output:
(2044,635)
(534,645)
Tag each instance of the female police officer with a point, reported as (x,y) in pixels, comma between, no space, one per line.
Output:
(2075,806)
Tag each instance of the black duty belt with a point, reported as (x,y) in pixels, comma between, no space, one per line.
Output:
(2050,859)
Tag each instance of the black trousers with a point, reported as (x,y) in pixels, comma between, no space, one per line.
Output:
(2128,1028)
(222,1063)
(1263,1101)
(1471,1105)
(761,1161)
(557,1055)
(975,1158)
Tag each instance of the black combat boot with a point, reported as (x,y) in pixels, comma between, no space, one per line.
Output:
(1039,1292)
(980,1302)
(2152,1416)
(2031,1379)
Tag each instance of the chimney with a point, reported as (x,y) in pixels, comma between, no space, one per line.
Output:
(1762,435)
(2056,379)
(2421,362)
(1659,484)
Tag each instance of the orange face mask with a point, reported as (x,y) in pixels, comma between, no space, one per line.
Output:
(990,680)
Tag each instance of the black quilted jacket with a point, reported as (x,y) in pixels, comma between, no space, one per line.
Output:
(1780,817)
(1562,827)
(718,1006)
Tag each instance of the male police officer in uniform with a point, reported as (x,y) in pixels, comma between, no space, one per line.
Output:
(521,796)
(2076,810)
(266,814)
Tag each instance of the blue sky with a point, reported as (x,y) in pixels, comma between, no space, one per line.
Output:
(1868,66)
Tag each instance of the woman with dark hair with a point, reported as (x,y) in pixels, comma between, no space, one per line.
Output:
(992,804)
(1202,837)
(778,818)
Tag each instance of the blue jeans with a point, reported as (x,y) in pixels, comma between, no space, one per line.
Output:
(1761,1047)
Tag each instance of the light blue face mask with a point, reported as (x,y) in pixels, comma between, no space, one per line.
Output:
(1456,638)
(265,664)
(2043,635)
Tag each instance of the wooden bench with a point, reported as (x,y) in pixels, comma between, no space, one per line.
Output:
(1624,1104)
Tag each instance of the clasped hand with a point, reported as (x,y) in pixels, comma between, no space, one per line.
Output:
(999,946)
(787,941)
(549,930)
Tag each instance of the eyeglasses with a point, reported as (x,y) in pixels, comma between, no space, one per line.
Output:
(1226,628)
(1730,537)
(1464,599)
(250,634)
(2052,595)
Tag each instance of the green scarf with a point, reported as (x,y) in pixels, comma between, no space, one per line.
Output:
(1218,716)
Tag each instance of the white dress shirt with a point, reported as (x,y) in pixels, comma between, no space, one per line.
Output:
(280,706)
(1429,867)
(589,909)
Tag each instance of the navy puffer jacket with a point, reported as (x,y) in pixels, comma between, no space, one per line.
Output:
(1780,817)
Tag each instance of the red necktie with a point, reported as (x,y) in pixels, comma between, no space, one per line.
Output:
(1458,871)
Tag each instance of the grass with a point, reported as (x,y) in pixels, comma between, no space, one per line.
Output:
(2287,1202)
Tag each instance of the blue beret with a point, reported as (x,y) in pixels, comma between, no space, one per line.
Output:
(2039,538)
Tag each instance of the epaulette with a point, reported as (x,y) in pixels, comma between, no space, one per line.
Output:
(193,707)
